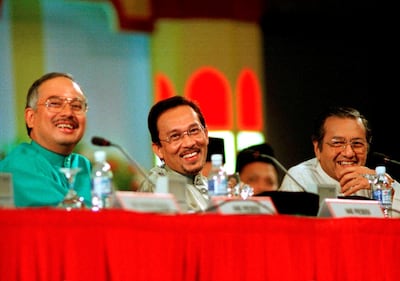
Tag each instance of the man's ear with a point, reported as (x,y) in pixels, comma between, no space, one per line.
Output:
(158,150)
(316,149)
(29,117)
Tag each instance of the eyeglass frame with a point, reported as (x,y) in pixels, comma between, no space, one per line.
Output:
(64,100)
(183,133)
(342,143)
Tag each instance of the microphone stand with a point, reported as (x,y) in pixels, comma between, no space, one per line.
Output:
(273,159)
(102,142)
(386,158)
(138,167)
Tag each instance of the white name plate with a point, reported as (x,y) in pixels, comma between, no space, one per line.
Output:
(6,190)
(147,202)
(252,205)
(350,208)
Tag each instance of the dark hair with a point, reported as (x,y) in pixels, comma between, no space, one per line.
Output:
(33,95)
(255,153)
(164,105)
(215,146)
(340,112)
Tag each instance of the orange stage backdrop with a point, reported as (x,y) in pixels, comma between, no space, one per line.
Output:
(142,14)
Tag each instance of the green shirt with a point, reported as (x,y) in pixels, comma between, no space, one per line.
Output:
(36,177)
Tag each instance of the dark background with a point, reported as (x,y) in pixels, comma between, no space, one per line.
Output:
(322,53)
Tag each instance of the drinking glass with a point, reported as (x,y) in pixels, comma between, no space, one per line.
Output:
(71,199)
(241,190)
(371,178)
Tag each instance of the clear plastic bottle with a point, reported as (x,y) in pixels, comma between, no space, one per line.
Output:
(217,178)
(102,182)
(382,190)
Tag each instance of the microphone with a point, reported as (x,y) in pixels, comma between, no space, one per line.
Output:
(103,142)
(277,163)
(100,141)
(386,158)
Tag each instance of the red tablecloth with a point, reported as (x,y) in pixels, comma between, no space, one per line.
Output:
(57,245)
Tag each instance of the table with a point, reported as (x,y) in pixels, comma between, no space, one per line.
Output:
(50,244)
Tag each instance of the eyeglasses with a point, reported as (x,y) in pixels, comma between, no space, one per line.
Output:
(57,104)
(176,137)
(358,145)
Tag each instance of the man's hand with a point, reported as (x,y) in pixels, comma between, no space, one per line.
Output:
(353,178)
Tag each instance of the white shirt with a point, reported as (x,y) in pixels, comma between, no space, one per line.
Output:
(310,173)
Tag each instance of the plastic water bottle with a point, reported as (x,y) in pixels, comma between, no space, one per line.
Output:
(382,190)
(102,182)
(217,178)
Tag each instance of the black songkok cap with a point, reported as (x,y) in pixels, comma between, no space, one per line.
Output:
(254,153)
(215,146)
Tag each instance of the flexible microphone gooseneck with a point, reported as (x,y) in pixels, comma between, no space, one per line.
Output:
(386,158)
(103,142)
(273,159)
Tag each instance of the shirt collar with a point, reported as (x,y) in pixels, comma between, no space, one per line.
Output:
(54,158)
(196,180)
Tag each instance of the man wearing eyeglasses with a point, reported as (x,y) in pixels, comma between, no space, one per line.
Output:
(179,138)
(341,140)
(55,118)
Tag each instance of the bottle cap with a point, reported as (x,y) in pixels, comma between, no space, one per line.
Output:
(380,169)
(216,159)
(100,156)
